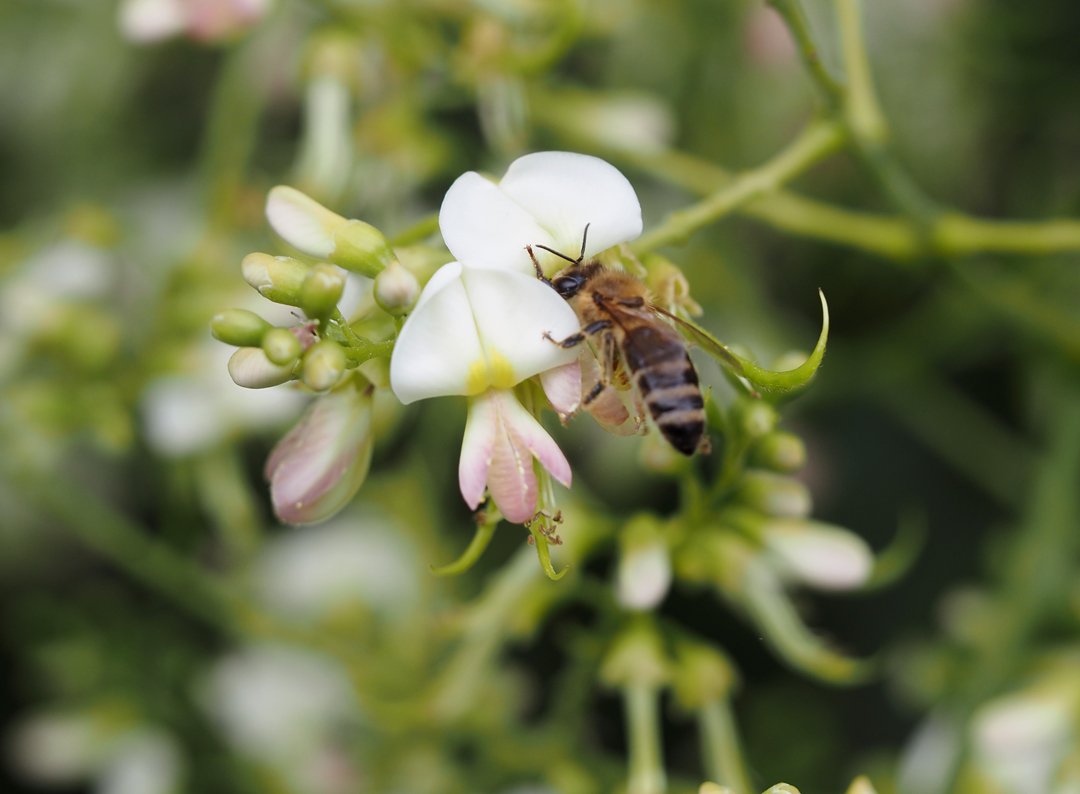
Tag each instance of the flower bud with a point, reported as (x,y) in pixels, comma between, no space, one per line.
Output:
(239,327)
(396,289)
(636,658)
(320,464)
(310,227)
(302,222)
(702,674)
(281,346)
(277,278)
(361,248)
(754,418)
(817,554)
(644,569)
(774,494)
(780,451)
(321,290)
(249,367)
(324,364)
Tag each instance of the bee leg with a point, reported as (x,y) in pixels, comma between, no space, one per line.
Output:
(597,389)
(536,266)
(576,339)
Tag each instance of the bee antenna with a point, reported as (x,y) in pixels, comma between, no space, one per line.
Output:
(584,238)
(581,256)
(559,254)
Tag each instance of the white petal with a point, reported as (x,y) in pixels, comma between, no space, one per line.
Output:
(483,227)
(301,221)
(474,328)
(562,385)
(525,430)
(513,313)
(438,351)
(643,576)
(144,21)
(822,556)
(564,191)
(477,449)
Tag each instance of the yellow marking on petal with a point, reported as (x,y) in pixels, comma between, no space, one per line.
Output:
(501,371)
(478,379)
(495,371)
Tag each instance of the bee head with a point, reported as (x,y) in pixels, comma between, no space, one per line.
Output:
(569,284)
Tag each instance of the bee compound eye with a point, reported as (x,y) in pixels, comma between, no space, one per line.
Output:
(567,286)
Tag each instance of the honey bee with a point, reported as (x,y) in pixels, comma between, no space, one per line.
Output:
(635,349)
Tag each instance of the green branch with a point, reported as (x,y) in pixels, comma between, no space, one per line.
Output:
(816,141)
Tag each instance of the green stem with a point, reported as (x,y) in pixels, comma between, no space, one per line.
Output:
(228,498)
(466,673)
(235,109)
(420,230)
(126,545)
(816,141)
(645,754)
(831,89)
(720,747)
(861,106)
(485,531)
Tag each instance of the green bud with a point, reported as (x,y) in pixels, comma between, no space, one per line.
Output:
(774,494)
(361,248)
(239,327)
(277,278)
(636,657)
(753,418)
(702,674)
(281,346)
(396,289)
(321,290)
(324,364)
(780,451)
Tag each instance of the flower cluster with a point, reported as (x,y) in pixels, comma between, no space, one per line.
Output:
(481,329)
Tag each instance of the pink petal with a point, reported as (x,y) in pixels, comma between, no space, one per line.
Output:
(318,466)
(511,479)
(525,431)
(477,449)
(562,385)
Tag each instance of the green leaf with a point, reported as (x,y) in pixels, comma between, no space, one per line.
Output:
(767,383)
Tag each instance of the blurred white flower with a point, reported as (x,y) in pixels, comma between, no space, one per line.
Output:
(146,21)
(816,554)
(643,575)
(66,748)
(286,708)
(193,410)
(1020,740)
(362,560)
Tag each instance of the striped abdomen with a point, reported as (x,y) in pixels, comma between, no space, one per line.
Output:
(668,384)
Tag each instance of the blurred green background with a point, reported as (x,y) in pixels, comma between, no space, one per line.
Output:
(132,500)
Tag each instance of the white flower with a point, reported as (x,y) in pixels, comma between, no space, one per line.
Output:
(643,576)
(546,198)
(479,333)
(485,323)
(145,21)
